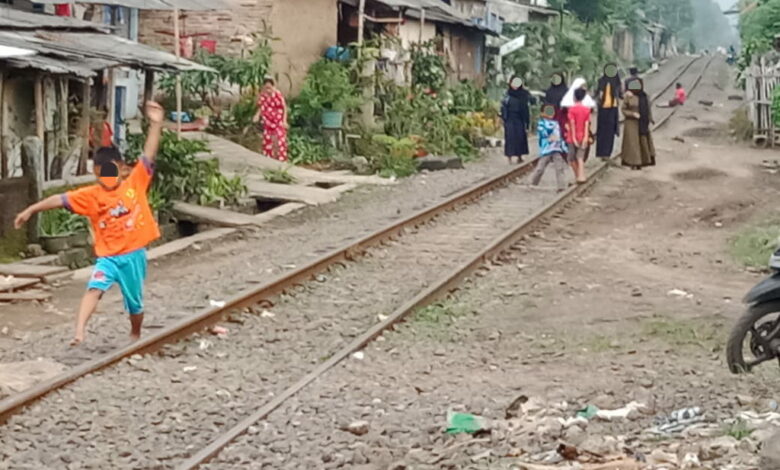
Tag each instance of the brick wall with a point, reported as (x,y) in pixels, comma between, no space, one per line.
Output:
(305,28)
(246,17)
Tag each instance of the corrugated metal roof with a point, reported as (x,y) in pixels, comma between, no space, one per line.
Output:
(16,19)
(83,54)
(156,4)
(435,10)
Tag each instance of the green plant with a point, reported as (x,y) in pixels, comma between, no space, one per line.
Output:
(429,70)
(281,176)
(306,150)
(468,98)
(464,149)
(395,157)
(740,124)
(328,86)
(739,429)
(183,176)
(62,222)
(237,120)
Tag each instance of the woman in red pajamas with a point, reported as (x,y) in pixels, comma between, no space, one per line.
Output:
(272,111)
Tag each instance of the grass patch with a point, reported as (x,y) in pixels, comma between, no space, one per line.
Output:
(11,244)
(754,245)
(739,430)
(681,332)
(278,176)
(600,344)
(740,125)
(440,313)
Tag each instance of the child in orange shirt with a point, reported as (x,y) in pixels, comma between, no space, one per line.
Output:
(122,222)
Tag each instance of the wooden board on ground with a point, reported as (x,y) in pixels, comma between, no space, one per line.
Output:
(42,260)
(212,216)
(10,283)
(29,270)
(26,296)
(235,158)
(289,192)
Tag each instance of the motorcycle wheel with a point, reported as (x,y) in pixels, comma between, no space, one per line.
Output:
(764,337)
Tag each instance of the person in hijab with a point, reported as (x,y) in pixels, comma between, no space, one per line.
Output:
(554,96)
(638,148)
(633,73)
(517,118)
(610,92)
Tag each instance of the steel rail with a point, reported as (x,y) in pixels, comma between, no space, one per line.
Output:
(440,289)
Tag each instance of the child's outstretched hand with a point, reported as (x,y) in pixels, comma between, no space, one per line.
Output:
(22,219)
(154,112)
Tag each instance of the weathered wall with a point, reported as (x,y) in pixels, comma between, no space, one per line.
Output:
(305,28)
(21,114)
(467,53)
(244,18)
(13,199)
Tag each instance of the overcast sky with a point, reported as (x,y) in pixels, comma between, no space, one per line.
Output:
(724,4)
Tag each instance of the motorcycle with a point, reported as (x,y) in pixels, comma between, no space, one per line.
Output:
(758,330)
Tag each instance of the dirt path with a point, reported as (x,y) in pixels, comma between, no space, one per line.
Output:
(583,312)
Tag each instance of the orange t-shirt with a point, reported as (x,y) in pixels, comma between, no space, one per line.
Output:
(121,219)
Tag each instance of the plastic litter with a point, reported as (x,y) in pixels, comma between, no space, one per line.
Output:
(217,303)
(592,411)
(678,420)
(459,423)
(588,412)
(219,331)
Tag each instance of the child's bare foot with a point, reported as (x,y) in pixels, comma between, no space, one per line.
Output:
(76,341)
(134,337)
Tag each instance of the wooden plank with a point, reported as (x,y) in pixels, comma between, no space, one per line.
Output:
(26,296)
(3,129)
(10,284)
(29,270)
(212,216)
(42,260)
(39,107)
(288,192)
(86,102)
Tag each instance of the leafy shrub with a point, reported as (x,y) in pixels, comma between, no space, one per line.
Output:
(740,124)
(328,86)
(428,67)
(306,150)
(62,222)
(237,119)
(278,176)
(395,157)
(181,176)
(468,98)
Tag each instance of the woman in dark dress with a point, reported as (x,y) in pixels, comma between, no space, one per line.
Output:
(553,96)
(517,117)
(638,147)
(610,92)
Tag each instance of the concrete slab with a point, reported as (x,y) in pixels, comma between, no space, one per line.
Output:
(26,296)
(289,192)
(210,215)
(42,260)
(10,283)
(16,377)
(29,270)
(237,159)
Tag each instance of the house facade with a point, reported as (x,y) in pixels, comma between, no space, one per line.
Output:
(302,31)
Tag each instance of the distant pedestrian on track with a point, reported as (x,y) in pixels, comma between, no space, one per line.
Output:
(610,92)
(517,118)
(679,98)
(554,96)
(122,224)
(552,148)
(638,148)
(272,112)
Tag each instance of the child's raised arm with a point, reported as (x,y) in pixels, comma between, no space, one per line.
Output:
(53,202)
(155,113)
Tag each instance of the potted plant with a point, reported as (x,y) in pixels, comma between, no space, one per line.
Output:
(329,91)
(55,233)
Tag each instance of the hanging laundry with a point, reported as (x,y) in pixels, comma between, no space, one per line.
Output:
(62,9)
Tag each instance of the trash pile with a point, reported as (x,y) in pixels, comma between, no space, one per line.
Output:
(545,436)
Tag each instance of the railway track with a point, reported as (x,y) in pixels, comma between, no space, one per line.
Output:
(172,409)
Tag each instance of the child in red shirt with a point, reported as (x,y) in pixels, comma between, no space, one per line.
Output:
(122,222)
(679,98)
(578,135)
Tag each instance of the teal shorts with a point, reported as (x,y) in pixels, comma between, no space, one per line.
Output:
(129,271)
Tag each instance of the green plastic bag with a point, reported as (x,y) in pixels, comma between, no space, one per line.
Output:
(458,423)
(588,412)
